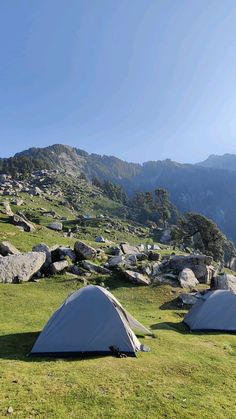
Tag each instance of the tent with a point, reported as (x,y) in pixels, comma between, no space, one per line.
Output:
(91,321)
(215,310)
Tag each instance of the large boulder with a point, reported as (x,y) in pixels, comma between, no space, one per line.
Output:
(19,221)
(56,226)
(136,278)
(84,251)
(100,239)
(115,261)
(129,250)
(224,282)
(187,279)
(21,267)
(189,298)
(42,247)
(6,248)
(201,265)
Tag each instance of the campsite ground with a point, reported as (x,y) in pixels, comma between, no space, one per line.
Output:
(185,375)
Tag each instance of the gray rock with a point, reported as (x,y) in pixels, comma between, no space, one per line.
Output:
(189,299)
(92,267)
(100,239)
(131,259)
(21,267)
(18,202)
(74,269)
(129,250)
(23,223)
(115,261)
(42,247)
(153,255)
(187,279)
(199,264)
(7,209)
(57,267)
(56,226)
(67,252)
(84,251)
(6,248)
(136,278)
(224,282)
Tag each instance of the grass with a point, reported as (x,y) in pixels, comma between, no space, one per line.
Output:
(185,375)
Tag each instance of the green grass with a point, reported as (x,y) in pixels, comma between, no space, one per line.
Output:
(185,375)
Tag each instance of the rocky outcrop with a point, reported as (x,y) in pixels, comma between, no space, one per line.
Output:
(21,267)
(201,265)
(189,299)
(224,282)
(84,251)
(92,267)
(42,247)
(19,221)
(115,261)
(129,250)
(57,267)
(6,249)
(187,279)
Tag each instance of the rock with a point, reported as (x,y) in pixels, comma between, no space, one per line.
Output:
(136,278)
(84,251)
(10,410)
(187,279)
(153,255)
(56,226)
(100,239)
(58,266)
(6,248)
(18,202)
(74,269)
(224,282)
(156,247)
(116,251)
(66,252)
(233,264)
(115,261)
(42,247)
(129,250)
(189,299)
(92,267)
(23,223)
(141,256)
(20,267)
(7,209)
(131,259)
(199,264)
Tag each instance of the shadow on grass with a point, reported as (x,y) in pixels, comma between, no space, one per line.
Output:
(175,327)
(172,305)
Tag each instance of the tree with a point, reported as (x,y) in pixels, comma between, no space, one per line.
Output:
(163,205)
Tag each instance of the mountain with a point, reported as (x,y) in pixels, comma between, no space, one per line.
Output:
(227,162)
(197,188)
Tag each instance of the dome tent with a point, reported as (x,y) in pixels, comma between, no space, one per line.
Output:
(215,310)
(90,321)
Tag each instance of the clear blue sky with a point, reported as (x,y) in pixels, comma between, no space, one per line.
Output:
(139,79)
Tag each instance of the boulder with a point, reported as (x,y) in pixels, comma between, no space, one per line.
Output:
(224,282)
(189,298)
(201,265)
(57,267)
(42,247)
(153,255)
(115,261)
(92,267)
(19,221)
(18,202)
(66,252)
(7,209)
(56,226)
(6,248)
(84,251)
(187,279)
(100,239)
(74,269)
(129,250)
(136,278)
(20,267)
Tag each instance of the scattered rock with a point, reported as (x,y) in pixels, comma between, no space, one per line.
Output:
(115,261)
(6,248)
(136,278)
(10,410)
(92,267)
(189,299)
(187,279)
(129,250)
(199,264)
(56,226)
(57,267)
(42,247)
(7,209)
(74,269)
(100,239)
(20,267)
(153,255)
(84,251)
(23,223)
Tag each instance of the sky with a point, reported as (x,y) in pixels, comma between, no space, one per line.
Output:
(138,79)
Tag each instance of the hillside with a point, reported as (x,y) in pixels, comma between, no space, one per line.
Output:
(225,162)
(207,190)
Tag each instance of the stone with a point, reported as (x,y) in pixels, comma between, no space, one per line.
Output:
(92,267)
(131,259)
(20,267)
(74,269)
(6,248)
(224,282)
(187,279)
(10,410)
(129,250)
(7,209)
(23,223)
(153,255)
(18,202)
(84,251)
(136,278)
(42,247)
(156,247)
(56,226)
(100,239)
(189,298)
(67,252)
(115,261)
(57,267)
(201,265)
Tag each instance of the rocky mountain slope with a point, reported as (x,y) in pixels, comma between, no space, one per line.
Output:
(226,162)
(202,188)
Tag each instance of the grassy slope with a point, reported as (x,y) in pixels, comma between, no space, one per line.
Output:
(185,375)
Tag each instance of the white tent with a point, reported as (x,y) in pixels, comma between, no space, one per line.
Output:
(91,321)
(215,310)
